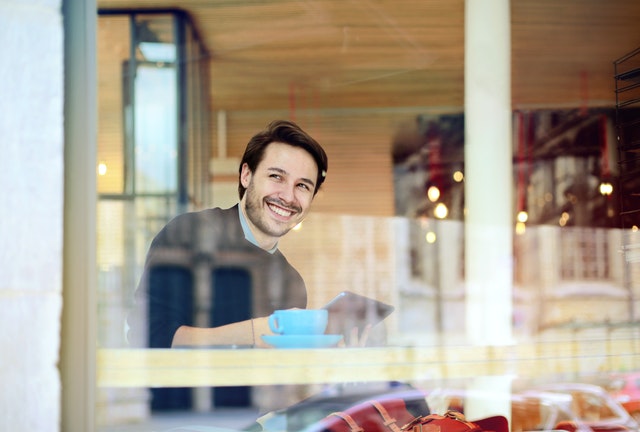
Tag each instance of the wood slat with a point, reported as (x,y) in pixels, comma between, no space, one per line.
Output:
(367,53)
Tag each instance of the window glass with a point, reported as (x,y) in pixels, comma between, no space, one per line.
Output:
(177,108)
(155,113)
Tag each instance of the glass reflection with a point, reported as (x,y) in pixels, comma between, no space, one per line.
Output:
(378,228)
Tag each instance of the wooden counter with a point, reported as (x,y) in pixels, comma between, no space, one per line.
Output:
(225,367)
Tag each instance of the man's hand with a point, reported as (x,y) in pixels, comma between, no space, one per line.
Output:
(261,327)
(356,340)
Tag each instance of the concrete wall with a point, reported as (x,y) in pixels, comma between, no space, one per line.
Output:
(31,181)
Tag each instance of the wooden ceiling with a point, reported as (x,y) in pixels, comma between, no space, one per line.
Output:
(400,53)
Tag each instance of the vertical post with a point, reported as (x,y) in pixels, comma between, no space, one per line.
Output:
(488,191)
(182,121)
(488,172)
(77,356)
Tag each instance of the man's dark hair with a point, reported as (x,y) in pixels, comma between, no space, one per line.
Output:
(286,132)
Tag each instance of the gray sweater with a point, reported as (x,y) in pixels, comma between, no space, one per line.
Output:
(236,280)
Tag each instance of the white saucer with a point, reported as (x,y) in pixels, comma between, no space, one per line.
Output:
(302,341)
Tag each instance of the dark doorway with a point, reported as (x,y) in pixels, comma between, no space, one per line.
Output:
(173,284)
(232,302)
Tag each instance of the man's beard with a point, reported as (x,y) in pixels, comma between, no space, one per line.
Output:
(256,214)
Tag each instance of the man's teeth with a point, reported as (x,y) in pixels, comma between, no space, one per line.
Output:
(280,211)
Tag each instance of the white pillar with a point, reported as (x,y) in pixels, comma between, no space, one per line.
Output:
(488,172)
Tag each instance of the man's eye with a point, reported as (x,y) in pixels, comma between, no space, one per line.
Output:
(304,186)
(275,176)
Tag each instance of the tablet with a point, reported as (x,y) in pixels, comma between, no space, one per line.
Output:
(348,310)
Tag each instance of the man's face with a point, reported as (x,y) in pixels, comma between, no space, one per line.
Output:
(279,192)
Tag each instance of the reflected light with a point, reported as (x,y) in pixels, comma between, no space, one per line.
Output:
(521,227)
(522,217)
(606,188)
(458,176)
(441,211)
(158,52)
(430,237)
(102,168)
(433,193)
(563,219)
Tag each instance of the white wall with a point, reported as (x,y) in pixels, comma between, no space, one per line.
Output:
(31,199)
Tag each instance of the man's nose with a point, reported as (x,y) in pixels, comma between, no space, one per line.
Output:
(287,192)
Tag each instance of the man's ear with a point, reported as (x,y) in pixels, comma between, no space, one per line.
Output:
(245,175)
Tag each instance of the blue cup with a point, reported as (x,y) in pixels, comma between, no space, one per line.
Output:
(299,321)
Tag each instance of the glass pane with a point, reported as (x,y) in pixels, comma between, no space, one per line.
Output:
(391,223)
(156,145)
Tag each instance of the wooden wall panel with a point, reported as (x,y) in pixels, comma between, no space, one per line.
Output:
(358,144)
(402,52)
(113,49)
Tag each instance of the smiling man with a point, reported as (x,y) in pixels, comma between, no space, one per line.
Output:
(278,192)
(186,296)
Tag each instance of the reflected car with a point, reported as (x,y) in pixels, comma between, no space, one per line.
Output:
(592,408)
(569,407)
(531,411)
(625,388)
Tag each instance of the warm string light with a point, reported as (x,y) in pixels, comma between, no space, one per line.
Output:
(430,237)
(523,216)
(433,193)
(102,168)
(606,188)
(441,211)
(521,220)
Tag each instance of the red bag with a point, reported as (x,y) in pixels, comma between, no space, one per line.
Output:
(453,421)
(370,416)
(392,416)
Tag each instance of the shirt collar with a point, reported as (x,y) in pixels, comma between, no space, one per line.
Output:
(247,231)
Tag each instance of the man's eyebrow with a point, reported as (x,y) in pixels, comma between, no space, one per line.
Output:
(283,172)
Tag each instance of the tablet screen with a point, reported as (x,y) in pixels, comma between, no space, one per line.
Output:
(348,310)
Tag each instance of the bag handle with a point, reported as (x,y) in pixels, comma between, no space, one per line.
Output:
(389,421)
(457,415)
(417,424)
(353,426)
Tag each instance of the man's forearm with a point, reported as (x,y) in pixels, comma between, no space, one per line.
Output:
(241,333)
